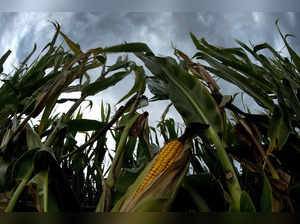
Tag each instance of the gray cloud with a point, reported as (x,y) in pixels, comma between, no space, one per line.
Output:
(154,5)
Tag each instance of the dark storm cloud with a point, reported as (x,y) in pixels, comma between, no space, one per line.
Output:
(160,29)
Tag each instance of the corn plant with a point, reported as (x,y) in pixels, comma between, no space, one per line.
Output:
(220,159)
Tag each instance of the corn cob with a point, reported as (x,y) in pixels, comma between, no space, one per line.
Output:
(165,158)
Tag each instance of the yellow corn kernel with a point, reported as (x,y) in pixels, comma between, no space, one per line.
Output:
(165,158)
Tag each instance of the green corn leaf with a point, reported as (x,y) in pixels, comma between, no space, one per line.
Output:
(102,111)
(58,195)
(288,92)
(257,91)
(21,166)
(266,196)
(279,130)
(103,84)
(158,88)
(189,96)
(244,75)
(47,201)
(73,46)
(121,62)
(139,83)
(189,185)
(47,111)
(294,56)
(32,138)
(170,124)
(3,177)
(101,58)
(108,113)
(246,203)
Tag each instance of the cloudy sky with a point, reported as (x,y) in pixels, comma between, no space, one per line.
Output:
(20,30)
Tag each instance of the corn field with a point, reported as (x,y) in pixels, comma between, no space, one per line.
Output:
(223,158)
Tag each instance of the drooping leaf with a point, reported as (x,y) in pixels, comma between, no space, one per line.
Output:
(188,95)
(158,88)
(103,84)
(139,83)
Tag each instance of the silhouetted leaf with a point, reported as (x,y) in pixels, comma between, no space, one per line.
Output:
(127,47)
(84,125)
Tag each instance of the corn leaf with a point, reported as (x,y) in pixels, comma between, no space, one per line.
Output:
(188,95)
(3,59)
(293,54)
(266,196)
(73,46)
(84,125)
(103,84)
(126,47)
(139,83)
(241,74)
(158,88)
(279,130)
(32,138)
(246,203)
(3,176)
